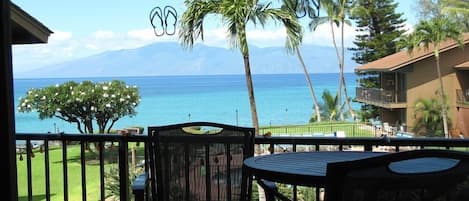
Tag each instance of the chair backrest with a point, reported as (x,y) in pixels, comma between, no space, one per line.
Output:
(200,161)
(417,175)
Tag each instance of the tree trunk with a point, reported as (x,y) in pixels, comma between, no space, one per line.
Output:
(310,85)
(347,102)
(339,89)
(442,96)
(342,67)
(252,100)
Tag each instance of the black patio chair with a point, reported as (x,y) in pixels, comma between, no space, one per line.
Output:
(417,175)
(197,161)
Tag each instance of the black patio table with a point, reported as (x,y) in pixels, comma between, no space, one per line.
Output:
(300,168)
(309,168)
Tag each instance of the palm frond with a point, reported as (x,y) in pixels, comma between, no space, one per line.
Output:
(191,23)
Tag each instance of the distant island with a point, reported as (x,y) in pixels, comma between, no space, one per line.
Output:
(169,58)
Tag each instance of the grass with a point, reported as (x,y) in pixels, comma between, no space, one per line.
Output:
(351,129)
(56,174)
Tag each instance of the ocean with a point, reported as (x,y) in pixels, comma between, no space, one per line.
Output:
(281,99)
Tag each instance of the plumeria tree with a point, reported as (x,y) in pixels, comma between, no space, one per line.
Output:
(85,104)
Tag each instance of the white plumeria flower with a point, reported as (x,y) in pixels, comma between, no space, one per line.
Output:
(121,100)
(58,109)
(105,88)
(93,108)
(43,98)
(105,95)
(113,95)
(56,93)
(108,105)
(23,104)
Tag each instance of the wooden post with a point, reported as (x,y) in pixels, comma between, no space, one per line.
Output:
(7,123)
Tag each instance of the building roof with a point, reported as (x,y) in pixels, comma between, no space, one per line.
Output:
(403,58)
(25,29)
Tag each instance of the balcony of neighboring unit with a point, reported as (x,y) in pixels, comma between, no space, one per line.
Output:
(381,98)
(462,97)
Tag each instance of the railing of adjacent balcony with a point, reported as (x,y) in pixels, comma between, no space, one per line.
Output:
(380,95)
(45,144)
(462,96)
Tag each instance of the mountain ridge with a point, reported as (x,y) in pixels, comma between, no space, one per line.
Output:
(170,58)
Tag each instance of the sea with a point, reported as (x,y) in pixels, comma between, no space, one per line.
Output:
(281,99)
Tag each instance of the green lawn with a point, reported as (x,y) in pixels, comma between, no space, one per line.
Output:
(56,174)
(350,129)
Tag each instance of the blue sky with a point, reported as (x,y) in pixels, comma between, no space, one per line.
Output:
(87,27)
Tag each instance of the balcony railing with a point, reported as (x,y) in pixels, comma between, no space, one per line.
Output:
(380,96)
(96,153)
(462,96)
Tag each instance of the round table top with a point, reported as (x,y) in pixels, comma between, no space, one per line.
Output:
(300,168)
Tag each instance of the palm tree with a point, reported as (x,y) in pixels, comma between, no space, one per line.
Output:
(458,11)
(455,6)
(310,86)
(304,8)
(428,118)
(329,106)
(433,32)
(336,11)
(236,14)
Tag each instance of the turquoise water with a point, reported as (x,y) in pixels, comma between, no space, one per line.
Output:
(281,99)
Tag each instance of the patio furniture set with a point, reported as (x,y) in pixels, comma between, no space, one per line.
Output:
(211,161)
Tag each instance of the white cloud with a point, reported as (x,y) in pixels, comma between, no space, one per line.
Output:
(60,36)
(103,34)
(322,36)
(276,37)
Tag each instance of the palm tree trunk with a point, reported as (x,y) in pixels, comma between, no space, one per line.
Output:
(442,97)
(341,74)
(344,85)
(252,100)
(347,102)
(310,85)
(339,90)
